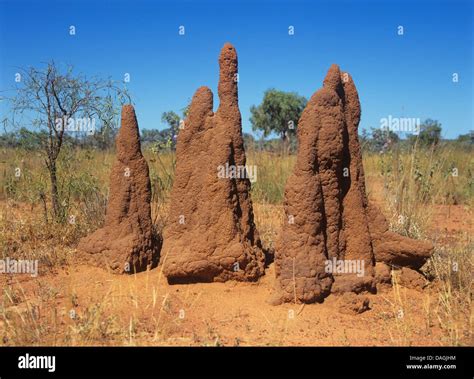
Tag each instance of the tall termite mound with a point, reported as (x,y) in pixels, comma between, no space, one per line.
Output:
(331,237)
(127,242)
(211,235)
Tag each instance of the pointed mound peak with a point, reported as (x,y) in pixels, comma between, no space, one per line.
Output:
(203,96)
(128,139)
(201,107)
(228,51)
(228,77)
(333,78)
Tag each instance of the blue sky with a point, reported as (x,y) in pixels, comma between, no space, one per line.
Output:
(401,76)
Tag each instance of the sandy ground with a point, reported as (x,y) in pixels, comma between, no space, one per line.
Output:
(223,313)
(81,305)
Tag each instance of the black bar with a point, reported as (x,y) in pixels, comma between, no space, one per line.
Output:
(291,362)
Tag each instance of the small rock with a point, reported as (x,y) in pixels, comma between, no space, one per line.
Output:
(411,279)
(383,273)
(353,304)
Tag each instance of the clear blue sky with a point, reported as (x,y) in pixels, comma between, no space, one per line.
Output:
(402,76)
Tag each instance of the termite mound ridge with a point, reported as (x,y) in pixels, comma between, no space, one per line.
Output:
(127,243)
(328,217)
(211,234)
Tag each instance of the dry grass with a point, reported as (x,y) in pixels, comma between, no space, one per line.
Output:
(411,183)
(414,181)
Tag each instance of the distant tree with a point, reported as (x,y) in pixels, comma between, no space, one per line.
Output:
(167,137)
(48,100)
(249,141)
(364,139)
(150,135)
(466,139)
(429,134)
(279,113)
(172,119)
(383,139)
(28,139)
(8,139)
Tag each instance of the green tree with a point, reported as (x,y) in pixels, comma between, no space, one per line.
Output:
(150,136)
(167,137)
(172,119)
(279,113)
(430,133)
(383,139)
(466,139)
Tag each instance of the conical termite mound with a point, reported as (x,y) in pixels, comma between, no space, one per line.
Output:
(331,238)
(211,234)
(127,243)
